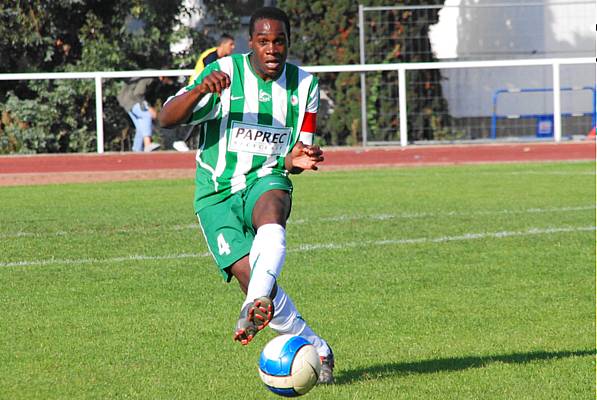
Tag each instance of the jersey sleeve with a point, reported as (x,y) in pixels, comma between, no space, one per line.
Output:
(313,99)
(309,125)
(207,108)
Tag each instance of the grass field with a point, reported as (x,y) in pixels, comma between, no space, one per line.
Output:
(467,282)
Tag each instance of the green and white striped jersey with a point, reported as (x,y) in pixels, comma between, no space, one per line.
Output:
(248,129)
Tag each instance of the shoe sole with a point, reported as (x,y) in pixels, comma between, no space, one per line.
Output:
(250,323)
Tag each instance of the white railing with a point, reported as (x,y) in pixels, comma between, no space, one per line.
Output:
(97,76)
(401,68)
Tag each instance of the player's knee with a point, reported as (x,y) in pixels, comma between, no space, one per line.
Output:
(273,207)
(272,234)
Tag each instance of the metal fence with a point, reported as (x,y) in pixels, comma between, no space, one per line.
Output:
(541,87)
(401,71)
(458,103)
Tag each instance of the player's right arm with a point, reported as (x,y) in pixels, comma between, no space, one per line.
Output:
(179,108)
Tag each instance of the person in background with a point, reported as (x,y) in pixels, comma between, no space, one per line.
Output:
(225,47)
(134,99)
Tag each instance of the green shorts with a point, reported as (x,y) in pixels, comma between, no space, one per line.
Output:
(228,227)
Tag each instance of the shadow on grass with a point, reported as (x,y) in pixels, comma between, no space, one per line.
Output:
(381,371)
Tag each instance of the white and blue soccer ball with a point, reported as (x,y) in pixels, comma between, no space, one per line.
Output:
(289,366)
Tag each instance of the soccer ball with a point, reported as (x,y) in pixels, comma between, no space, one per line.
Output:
(289,366)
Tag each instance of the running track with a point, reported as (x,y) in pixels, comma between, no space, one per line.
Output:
(59,168)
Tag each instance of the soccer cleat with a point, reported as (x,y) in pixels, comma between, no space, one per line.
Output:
(245,330)
(326,375)
(262,312)
(253,318)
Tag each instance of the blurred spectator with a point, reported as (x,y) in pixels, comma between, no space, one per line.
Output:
(224,48)
(134,98)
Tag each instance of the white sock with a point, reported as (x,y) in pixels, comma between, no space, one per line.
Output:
(266,258)
(287,320)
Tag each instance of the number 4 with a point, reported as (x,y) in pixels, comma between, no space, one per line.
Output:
(223,246)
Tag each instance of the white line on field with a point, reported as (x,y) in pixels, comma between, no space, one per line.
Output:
(383,217)
(442,239)
(137,257)
(334,218)
(311,247)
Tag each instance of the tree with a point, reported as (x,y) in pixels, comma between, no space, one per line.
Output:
(326,32)
(75,35)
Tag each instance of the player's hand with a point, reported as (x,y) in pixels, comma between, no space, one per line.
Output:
(304,157)
(215,82)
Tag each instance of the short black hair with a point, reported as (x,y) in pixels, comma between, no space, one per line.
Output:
(269,13)
(224,38)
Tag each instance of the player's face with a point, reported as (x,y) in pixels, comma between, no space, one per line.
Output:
(228,47)
(270,48)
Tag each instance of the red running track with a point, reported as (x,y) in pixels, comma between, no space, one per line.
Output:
(55,168)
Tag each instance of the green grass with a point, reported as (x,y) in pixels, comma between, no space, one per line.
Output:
(469,282)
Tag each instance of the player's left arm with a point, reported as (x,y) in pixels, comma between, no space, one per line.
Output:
(304,155)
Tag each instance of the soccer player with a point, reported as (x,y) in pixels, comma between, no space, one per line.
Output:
(258,114)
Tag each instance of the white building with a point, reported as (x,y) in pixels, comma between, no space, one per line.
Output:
(512,29)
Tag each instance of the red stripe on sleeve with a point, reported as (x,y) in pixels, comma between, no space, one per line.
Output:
(309,123)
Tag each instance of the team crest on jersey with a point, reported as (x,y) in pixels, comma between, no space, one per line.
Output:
(264,96)
(259,139)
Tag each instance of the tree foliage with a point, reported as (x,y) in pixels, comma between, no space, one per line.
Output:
(78,35)
(327,32)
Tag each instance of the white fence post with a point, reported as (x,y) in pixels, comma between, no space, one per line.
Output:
(363,82)
(557,107)
(402,107)
(99,114)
